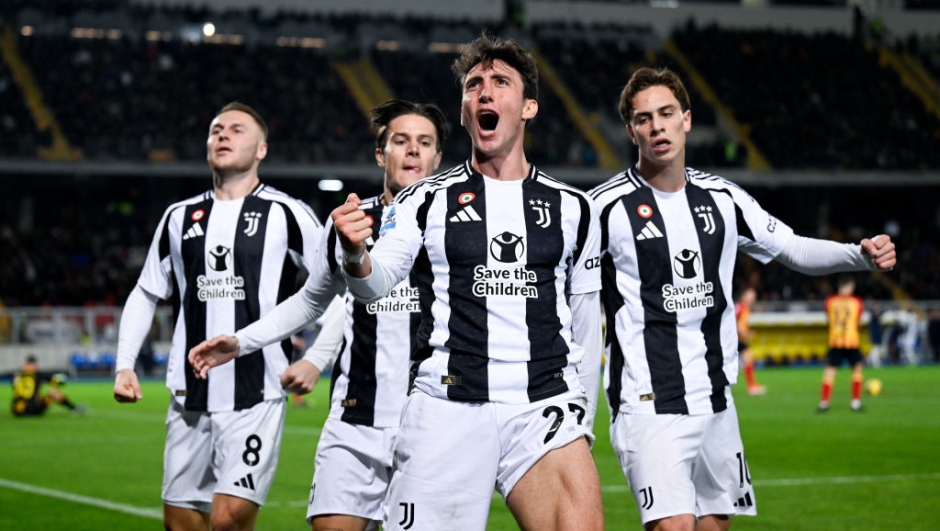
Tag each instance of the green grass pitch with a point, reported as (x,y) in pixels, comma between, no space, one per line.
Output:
(874,470)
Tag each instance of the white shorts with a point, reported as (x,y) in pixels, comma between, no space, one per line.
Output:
(684,464)
(353,467)
(229,452)
(451,455)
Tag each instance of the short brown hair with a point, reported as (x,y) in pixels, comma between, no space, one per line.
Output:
(239,106)
(486,49)
(381,115)
(645,78)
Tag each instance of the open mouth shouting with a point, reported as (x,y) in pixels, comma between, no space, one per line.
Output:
(487,121)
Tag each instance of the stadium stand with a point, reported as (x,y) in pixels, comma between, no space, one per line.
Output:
(135,84)
(802,112)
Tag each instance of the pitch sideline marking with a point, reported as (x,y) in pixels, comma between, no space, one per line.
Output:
(156,514)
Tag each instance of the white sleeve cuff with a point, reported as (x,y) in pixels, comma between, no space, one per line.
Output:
(370,288)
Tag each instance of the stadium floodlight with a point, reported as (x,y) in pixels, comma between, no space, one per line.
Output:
(330,185)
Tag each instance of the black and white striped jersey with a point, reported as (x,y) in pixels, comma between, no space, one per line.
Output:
(230,262)
(370,376)
(494,262)
(667,262)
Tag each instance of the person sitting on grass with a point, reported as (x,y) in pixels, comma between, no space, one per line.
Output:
(29,399)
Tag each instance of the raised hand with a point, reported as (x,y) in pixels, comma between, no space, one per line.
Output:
(353,228)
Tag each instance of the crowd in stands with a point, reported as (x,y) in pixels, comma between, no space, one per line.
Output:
(849,214)
(68,243)
(17,133)
(819,101)
(926,50)
(75,242)
(611,52)
(130,98)
(134,99)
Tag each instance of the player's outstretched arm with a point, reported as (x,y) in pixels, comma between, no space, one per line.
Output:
(881,250)
(300,377)
(126,386)
(212,353)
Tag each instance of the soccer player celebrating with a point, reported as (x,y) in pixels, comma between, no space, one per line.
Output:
(233,253)
(843,313)
(669,239)
(370,379)
(507,367)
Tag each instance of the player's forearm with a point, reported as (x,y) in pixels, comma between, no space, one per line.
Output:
(586,332)
(372,287)
(297,311)
(391,259)
(822,257)
(358,264)
(136,319)
(323,351)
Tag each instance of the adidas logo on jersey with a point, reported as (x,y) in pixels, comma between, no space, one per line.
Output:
(745,501)
(248,482)
(649,232)
(467,214)
(193,232)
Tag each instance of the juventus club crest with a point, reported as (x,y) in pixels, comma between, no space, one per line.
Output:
(545,215)
(705,213)
(252,218)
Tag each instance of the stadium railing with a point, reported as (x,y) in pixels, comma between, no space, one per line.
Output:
(72,339)
(83,340)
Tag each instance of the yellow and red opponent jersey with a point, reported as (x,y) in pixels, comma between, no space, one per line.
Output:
(844,312)
(742,313)
(26,396)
